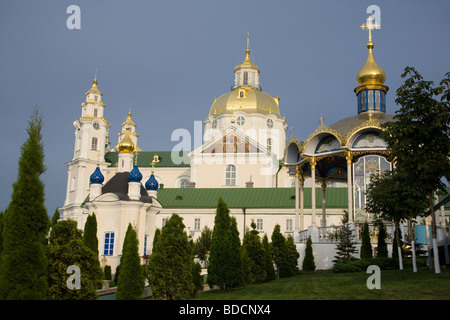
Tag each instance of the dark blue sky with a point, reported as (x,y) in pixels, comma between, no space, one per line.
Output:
(170,58)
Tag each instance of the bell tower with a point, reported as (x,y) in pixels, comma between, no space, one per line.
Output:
(91,144)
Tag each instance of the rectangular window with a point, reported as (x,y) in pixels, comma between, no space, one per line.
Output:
(164,221)
(259,224)
(197,224)
(145,245)
(94,144)
(288,225)
(109,244)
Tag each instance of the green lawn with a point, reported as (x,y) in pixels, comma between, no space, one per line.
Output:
(327,285)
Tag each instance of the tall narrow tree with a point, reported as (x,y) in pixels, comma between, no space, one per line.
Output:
(23,268)
(131,283)
(66,248)
(366,246)
(171,265)
(90,233)
(255,251)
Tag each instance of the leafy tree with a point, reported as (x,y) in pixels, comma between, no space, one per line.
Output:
(346,245)
(308,261)
(23,268)
(418,138)
(382,250)
(366,246)
(66,248)
(171,265)
(255,251)
(202,245)
(90,233)
(224,268)
(392,197)
(280,253)
(130,284)
(268,261)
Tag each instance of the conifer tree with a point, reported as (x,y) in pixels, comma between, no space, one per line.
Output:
(90,233)
(366,246)
(171,265)
(131,283)
(346,245)
(247,276)
(382,250)
(66,248)
(202,245)
(224,268)
(255,251)
(23,268)
(308,261)
(268,259)
(55,218)
(293,255)
(280,253)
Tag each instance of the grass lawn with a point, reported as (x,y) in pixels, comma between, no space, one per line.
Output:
(327,285)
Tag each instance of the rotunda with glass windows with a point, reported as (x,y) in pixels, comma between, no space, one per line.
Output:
(346,152)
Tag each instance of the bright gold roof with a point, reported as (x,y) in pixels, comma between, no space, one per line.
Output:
(126,145)
(247,64)
(371,72)
(128,121)
(94,88)
(254,101)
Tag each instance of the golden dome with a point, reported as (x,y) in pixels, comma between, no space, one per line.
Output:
(249,100)
(247,64)
(371,72)
(126,145)
(94,88)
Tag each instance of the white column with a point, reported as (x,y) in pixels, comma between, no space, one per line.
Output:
(296,198)
(349,186)
(324,218)
(302,202)
(313,191)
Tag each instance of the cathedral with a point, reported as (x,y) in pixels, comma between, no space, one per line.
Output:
(264,176)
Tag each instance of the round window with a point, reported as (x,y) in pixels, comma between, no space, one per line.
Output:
(96,126)
(240,120)
(269,123)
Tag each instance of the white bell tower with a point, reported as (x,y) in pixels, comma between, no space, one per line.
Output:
(91,143)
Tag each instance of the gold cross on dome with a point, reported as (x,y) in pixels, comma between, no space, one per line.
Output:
(369,26)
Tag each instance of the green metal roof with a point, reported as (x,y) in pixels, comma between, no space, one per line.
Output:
(166,159)
(247,197)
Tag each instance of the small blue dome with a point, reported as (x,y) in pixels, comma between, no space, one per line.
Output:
(135,175)
(151,183)
(97,176)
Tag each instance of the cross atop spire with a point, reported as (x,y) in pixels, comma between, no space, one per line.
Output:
(369,26)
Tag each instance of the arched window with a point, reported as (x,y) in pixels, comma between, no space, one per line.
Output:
(230,175)
(184,183)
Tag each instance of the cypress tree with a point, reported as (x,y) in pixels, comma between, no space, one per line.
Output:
(247,276)
(255,252)
(280,253)
(224,268)
(90,233)
(171,265)
(131,283)
(293,255)
(366,246)
(308,261)
(66,248)
(23,269)
(382,250)
(268,260)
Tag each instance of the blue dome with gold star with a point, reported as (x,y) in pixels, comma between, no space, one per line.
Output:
(97,177)
(135,175)
(151,183)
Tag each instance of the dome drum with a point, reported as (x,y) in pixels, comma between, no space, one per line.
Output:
(373,99)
